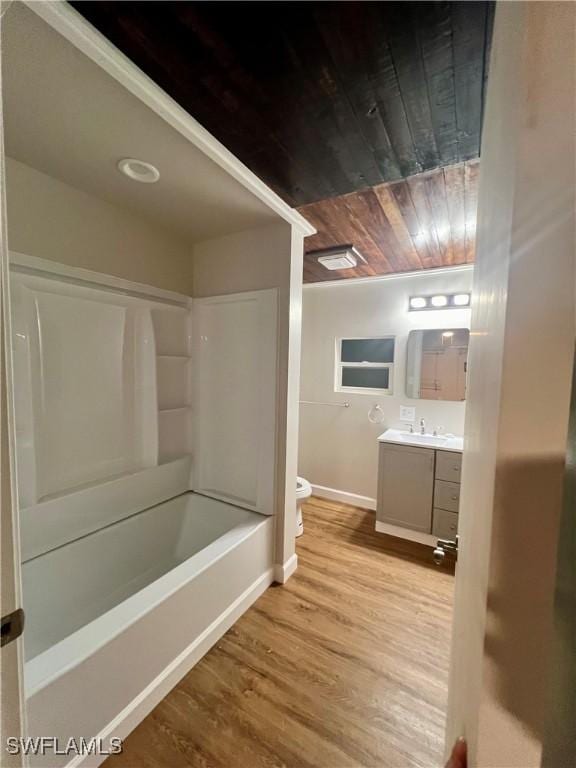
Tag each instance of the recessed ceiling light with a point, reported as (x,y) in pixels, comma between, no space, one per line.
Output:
(138,170)
(439,301)
(462,299)
(418,302)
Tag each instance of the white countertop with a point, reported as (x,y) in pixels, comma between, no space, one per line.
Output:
(438,443)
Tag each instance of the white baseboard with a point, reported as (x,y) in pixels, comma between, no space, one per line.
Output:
(346,498)
(144,703)
(283,572)
(406,533)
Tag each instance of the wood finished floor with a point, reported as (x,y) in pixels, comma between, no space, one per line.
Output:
(346,665)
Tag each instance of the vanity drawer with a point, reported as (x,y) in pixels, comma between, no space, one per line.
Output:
(444,524)
(448,466)
(446,495)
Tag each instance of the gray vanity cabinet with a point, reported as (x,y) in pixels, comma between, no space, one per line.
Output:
(405,486)
(419,491)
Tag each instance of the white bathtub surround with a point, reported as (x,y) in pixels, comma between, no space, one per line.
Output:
(128,368)
(339,446)
(90,400)
(265,258)
(235,422)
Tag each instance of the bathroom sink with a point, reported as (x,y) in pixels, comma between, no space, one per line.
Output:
(403,437)
(414,438)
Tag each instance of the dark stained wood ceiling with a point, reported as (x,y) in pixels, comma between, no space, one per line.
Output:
(422,222)
(325,99)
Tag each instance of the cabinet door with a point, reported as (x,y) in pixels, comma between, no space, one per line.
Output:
(406,487)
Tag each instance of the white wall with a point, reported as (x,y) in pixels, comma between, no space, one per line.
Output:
(338,447)
(52,220)
(267,257)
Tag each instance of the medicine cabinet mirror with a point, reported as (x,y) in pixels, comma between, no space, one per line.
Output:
(436,364)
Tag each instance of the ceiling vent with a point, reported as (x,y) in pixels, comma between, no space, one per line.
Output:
(339,257)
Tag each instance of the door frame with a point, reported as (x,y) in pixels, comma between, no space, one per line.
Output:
(13,721)
(519,385)
(470,711)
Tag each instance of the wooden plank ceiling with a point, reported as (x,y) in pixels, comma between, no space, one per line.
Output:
(341,107)
(422,222)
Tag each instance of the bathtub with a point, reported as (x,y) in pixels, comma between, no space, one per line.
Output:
(124,613)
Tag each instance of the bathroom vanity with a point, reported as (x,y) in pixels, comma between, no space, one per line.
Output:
(418,485)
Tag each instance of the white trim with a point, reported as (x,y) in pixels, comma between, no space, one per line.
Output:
(283,571)
(21,262)
(406,533)
(71,25)
(365,502)
(395,276)
(153,694)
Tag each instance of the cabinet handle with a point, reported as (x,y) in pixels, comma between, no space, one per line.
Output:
(456,468)
(454,498)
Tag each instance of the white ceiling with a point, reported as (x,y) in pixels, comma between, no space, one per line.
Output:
(66,117)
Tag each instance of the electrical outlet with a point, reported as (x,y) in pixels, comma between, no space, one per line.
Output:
(407,414)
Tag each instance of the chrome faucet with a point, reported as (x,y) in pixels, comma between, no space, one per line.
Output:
(422,427)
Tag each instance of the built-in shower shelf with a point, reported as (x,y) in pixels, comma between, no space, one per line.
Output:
(174,410)
(173,381)
(174,393)
(173,432)
(174,357)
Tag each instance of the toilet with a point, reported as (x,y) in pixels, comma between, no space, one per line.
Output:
(303,492)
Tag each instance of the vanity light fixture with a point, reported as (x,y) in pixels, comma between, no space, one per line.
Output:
(138,170)
(447,334)
(439,301)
